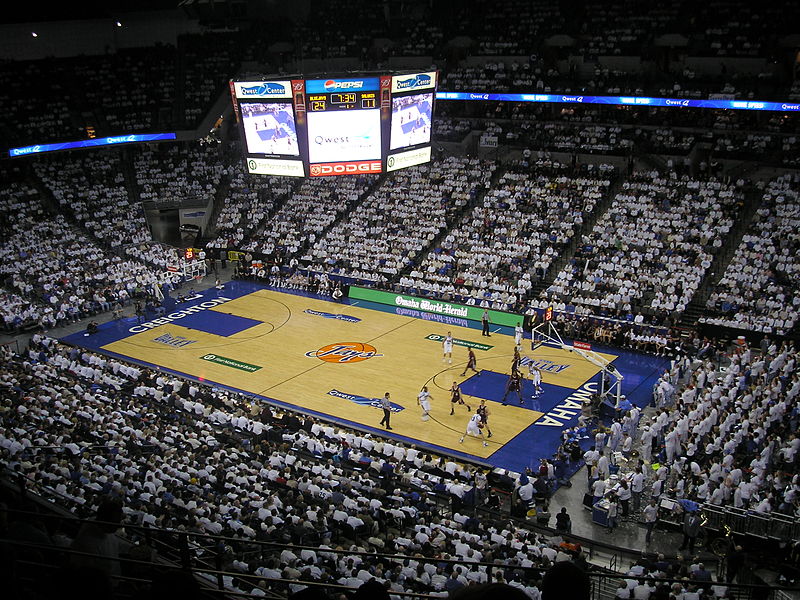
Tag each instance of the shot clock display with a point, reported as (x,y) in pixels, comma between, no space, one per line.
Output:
(350,125)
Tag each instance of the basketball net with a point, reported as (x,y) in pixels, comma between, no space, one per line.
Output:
(546,333)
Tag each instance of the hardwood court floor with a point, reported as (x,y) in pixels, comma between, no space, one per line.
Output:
(333,358)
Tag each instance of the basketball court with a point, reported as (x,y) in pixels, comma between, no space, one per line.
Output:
(336,360)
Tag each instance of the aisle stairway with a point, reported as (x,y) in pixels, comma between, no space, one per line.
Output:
(453,222)
(569,252)
(697,307)
(345,214)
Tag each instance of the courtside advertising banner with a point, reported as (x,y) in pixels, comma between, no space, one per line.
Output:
(474,313)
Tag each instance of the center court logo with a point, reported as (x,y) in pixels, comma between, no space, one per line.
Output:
(344,352)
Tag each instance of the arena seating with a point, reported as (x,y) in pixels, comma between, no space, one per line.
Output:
(445,129)
(157,255)
(248,202)
(177,172)
(519,227)
(650,251)
(618,243)
(311,208)
(385,234)
(208,61)
(92,188)
(48,260)
(244,473)
(756,291)
(724,436)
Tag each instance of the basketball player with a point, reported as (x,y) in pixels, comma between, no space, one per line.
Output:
(514,386)
(447,348)
(518,336)
(471,362)
(424,400)
(536,379)
(483,411)
(456,398)
(515,361)
(474,428)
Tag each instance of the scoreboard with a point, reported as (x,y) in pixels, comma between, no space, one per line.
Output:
(336,125)
(343,101)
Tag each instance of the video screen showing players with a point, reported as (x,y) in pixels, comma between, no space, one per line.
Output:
(411,120)
(269,128)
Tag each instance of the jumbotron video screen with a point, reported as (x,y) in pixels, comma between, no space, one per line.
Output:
(317,127)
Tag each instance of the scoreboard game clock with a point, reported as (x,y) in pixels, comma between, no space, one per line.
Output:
(336,125)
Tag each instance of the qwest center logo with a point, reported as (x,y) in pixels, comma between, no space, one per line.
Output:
(327,315)
(265,89)
(412,82)
(344,352)
(364,401)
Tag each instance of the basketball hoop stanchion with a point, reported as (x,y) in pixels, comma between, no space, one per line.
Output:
(546,333)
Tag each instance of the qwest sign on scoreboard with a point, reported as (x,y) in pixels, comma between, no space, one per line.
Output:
(336,125)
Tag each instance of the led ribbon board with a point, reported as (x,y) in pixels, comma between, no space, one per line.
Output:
(104,141)
(625,101)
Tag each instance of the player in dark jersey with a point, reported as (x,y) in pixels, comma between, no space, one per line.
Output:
(483,411)
(471,362)
(514,386)
(515,362)
(456,398)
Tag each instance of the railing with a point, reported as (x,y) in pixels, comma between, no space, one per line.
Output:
(213,578)
(13,344)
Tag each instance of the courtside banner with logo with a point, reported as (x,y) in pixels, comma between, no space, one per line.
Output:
(473,313)
(230,362)
(327,86)
(456,342)
(416,81)
(263,89)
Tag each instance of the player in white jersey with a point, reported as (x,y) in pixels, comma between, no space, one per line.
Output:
(424,400)
(447,348)
(518,336)
(536,378)
(474,427)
